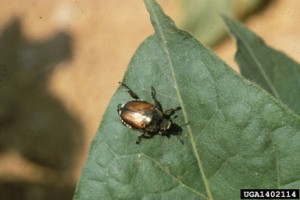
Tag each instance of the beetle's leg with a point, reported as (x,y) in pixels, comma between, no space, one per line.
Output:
(142,135)
(139,138)
(131,93)
(156,102)
(171,112)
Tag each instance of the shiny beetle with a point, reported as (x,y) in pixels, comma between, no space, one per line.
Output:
(145,117)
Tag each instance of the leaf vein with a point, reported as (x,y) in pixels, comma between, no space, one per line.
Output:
(276,160)
(194,145)
(171,175)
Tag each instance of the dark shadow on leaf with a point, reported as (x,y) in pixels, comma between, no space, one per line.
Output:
(175,130)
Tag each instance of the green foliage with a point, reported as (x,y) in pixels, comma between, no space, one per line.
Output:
(271,69)
(236,135)
(202,18)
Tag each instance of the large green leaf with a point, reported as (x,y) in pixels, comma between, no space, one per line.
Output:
(236,136)
(271,69)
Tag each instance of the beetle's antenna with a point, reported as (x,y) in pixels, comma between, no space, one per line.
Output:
(171,112)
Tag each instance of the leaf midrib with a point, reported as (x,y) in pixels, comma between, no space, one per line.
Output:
(192,139)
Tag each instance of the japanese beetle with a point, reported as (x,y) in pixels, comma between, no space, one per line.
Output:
(145,117)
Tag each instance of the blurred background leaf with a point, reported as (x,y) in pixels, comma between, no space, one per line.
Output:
(202,17)
(271,69)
